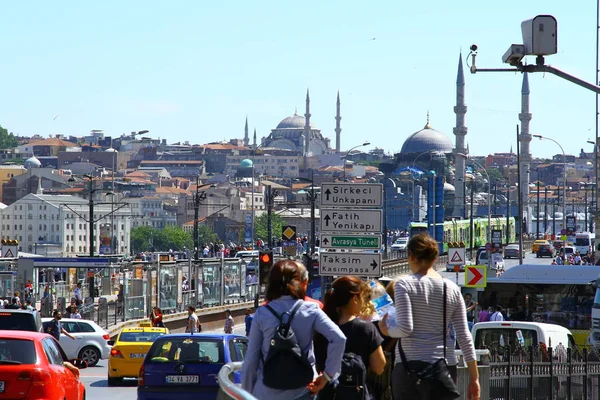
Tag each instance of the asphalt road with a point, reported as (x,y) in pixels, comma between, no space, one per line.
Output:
(94,379)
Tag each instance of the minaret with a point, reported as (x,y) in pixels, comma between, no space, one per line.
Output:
(254,146)
(460,131)
(246,138)
(525,152)
(307,124)
(338,127)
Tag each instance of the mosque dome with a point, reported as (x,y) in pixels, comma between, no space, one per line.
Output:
(294,122)
(32,162)
(427,139)
(246,163)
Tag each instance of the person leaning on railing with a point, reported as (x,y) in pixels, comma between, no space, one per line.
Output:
(419,301)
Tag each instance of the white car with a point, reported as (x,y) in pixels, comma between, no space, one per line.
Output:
(91,341)
(400,244)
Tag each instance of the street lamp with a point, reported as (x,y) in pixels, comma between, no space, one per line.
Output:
(564,176)
(489,230)
(199,197)
(348,153)
(312,197)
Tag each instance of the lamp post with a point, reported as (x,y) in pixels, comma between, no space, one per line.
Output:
(564,176)
(348,153)
(199,197)
(312,198)
(489,230)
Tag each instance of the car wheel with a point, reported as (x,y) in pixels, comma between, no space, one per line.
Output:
(91,355)
(114,381)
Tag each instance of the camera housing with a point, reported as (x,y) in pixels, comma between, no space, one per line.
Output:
(514,54)
(473,47)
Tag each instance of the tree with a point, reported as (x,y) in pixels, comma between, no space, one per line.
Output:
(495,175)
(145,238)
(7,140)
(206,235)
(260,227)
(175,238)
(141,238)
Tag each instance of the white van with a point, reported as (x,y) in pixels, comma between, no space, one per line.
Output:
(487,335)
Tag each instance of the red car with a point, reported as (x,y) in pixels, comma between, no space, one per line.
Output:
(32,366)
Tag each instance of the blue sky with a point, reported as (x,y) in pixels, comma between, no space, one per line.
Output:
(193,70)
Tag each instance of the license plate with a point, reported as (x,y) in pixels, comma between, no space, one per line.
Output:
(1,386)
(137,355)
(183,379)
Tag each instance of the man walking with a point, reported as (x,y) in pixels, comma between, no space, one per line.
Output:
(77,294)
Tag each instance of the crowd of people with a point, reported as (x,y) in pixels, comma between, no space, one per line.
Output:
(299,348)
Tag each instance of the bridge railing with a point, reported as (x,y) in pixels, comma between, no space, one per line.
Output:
(228,390)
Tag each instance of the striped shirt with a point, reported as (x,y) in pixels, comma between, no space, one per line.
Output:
(419,301)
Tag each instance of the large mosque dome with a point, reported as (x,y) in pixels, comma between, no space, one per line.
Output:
(425,140)
(294,122)
(32,162)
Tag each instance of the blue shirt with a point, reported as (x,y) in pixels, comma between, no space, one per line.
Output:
(248,322)
(308,319)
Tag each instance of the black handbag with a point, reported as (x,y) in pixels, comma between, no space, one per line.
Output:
(432,380)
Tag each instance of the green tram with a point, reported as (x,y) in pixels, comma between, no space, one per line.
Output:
(457,230)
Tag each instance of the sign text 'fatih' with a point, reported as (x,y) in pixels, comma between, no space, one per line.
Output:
(351,194)
(353,221)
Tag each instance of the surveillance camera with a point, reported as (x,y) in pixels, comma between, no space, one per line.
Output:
(473,47)
(514,54)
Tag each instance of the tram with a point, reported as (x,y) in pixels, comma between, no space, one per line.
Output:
(457,230)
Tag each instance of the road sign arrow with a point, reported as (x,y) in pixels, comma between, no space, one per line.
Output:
(327,193)
(326,218)
(325,241)
(476,276)
(374,264)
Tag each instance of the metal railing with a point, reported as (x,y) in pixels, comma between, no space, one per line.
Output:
(227,388)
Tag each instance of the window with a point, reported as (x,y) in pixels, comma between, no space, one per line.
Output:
(71,327)
(180,349)
(237,349)
(84,327)
(52,352)
(18,350)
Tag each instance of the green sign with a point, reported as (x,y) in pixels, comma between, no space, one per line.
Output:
(367,242)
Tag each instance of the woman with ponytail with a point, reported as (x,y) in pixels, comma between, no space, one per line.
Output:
(286,291)
(343,303)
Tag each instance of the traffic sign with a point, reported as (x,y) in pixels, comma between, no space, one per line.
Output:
(359,264)
(496,239)
(456,256)
(351,194)
(290,248)
(476,276)
(362,242)
(351,221)
(288,233)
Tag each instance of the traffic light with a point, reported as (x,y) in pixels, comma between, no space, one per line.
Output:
(265,262)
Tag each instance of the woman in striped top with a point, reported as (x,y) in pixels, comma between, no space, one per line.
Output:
(419,319)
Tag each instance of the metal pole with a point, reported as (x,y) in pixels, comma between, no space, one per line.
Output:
(313,229)
(196,217)
(537,217)
(508,214)
(269,199)
(433,209)
(471,222)
(545,208)
(519,200)
(252,225)
(91,223)
(495,198)
(585,207)
(385,211)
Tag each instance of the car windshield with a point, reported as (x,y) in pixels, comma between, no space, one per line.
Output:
(17,351)
(498,338)
(139,336)
(582,242)
(19,321)
(188,350)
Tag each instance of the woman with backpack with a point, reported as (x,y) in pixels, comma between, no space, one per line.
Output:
(343,304)
(423,329)
(280,359)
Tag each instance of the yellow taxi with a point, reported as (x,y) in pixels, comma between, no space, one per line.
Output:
(129,350)
(535,246)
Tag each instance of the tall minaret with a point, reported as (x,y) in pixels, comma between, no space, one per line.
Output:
(254,139)
(246,138)
(525,152)
(460,131)
(307,124)
(338,127)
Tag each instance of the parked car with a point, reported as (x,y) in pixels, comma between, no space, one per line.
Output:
(185,366)
(20,320)
(497,260)
(32,367)
(512,251)
(536,244)
(91,341)
(545,250)
(129,350)
(400,244)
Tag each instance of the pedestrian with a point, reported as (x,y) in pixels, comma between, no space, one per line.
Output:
(229,322)
(343,304)
(421,299)
(192,326)
(55,328)
(156,317)
(120,300)
(78,295)
(284,294)
(14,305)
(248,320)
(497,316)
(470,307)
(484,314)
(75,314)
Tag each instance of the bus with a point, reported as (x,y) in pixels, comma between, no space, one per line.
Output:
(554,294)
(457,230)
(584,242)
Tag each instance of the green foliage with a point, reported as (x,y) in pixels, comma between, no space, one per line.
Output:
(7,140)
(145,238)
(260,226)
(495,174)
(206,235)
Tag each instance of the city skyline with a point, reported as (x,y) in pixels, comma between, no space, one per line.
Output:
(194,72)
